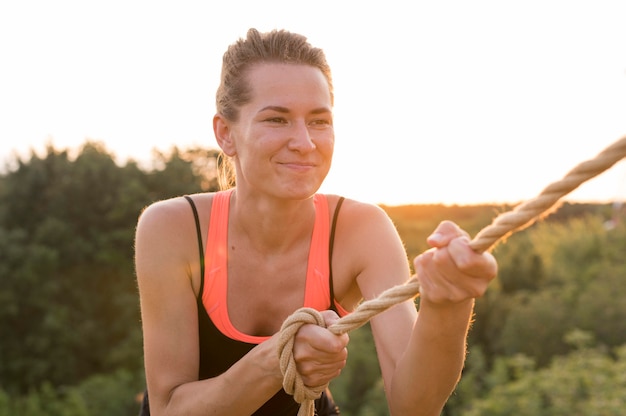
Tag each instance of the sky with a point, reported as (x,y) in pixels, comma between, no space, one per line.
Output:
(454,102)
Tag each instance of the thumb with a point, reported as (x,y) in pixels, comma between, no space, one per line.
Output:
(330,317)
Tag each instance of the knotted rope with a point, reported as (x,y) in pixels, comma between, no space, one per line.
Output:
(502,227)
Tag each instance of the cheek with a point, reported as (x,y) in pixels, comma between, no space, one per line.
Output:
(256,144)
(326,144)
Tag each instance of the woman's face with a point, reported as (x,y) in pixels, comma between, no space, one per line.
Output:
(283,139)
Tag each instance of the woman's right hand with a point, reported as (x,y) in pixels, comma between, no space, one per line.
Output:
(319,354)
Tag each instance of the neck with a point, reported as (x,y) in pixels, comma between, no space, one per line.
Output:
(271,225)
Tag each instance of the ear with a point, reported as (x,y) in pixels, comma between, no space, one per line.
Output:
(223,135)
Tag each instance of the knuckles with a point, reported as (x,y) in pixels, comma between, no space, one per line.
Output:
(320,355)
(455,272)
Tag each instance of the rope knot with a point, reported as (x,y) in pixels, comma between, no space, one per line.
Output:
(292,381)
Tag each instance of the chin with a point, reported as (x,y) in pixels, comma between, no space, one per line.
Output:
(301,191)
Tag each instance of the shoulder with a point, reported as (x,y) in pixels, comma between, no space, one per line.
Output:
(162,210)
(356,216)
(162,225)
(169,225)
(165,213)
(166,242)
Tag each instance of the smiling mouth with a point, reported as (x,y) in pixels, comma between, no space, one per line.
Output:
(297,165)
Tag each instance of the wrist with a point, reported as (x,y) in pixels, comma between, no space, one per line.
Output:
(268,362)
(446,318)
(464,306)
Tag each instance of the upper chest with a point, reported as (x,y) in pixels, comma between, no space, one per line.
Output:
(262,290)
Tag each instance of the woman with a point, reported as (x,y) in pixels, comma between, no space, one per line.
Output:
(210,318)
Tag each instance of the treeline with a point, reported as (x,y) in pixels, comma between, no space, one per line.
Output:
(548,337)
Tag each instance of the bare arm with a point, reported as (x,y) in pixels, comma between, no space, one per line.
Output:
(165,242)
(451,276)
(421,357)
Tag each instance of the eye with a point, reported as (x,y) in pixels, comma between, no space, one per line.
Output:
(277,120)
(322,122)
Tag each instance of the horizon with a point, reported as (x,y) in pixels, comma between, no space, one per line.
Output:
(148,164)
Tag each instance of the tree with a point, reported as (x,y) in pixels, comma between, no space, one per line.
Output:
(589,381)
(66,261)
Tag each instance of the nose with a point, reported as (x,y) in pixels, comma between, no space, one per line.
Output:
(301,139)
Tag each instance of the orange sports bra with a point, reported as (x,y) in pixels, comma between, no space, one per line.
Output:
(317,287)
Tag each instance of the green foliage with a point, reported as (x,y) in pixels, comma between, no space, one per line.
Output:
(581,270)
(68,297)
(589,381)
(100,395)
(359,388)
(47,401)
(110,394)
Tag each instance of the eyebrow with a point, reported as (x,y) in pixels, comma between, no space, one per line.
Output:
(285,110)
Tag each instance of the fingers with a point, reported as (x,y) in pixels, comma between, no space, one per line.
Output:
(330,317)
(445,232)
(452,271)
(470,262)
(443,281)
(320,355)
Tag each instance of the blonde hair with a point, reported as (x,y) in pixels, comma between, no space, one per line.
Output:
(278,46)
(226,177)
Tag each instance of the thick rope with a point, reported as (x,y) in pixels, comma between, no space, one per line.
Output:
(545,203)
(502,227)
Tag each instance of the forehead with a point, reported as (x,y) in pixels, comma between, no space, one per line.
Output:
(284,83)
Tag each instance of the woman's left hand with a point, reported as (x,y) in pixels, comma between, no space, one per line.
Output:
(451,271)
